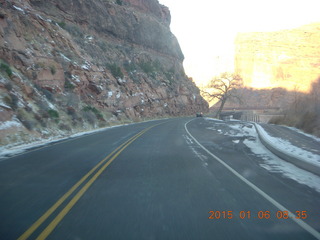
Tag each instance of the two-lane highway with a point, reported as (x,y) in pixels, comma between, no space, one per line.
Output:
(151,181)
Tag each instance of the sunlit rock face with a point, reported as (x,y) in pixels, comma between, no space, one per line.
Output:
(288,58)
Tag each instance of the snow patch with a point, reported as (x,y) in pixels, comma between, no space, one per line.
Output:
(286,147)
(270,162)
(9,124)
(75,78)
(65,58)
(3,105)
(86,66)
(277,165)
(19,9)
(213,119)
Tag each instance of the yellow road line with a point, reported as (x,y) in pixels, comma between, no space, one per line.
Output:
(34,227)
(75,199)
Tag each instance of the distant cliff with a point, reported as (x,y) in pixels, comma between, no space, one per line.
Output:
(70,65)
(289,58)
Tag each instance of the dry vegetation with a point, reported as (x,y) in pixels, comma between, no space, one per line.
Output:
(304,112)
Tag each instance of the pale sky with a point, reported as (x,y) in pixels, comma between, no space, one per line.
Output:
(206,28)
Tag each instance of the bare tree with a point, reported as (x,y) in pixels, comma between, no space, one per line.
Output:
(223,87)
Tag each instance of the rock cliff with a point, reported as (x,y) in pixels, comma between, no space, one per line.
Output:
(289,58)
(73,65)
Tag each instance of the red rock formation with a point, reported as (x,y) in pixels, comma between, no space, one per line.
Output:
(92,62)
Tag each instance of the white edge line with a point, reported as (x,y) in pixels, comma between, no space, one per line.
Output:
(301,223)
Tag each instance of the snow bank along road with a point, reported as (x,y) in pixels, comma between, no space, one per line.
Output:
(294,147)
(170,179)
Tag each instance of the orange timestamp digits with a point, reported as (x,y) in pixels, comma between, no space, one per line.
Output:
(257,215)
(220,214)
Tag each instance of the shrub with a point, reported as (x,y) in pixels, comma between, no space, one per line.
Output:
(90,117)
(8,86)
(68,85)
(12,101)
(119,2)
(28,124)
(93,110)
(40,120)
(75,31)
(5,67)
(65,127)
(62,24)
(147,67)
(115,70)
(72,112)
(103,45)
(129,67)
(49,95)
(25,119)
(53,70)
(53,114)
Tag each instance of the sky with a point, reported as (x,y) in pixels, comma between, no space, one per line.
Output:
(206,28)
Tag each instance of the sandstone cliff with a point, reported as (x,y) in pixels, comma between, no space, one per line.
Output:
(289,58)
(73,65)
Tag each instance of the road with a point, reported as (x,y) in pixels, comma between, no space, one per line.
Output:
(154,180)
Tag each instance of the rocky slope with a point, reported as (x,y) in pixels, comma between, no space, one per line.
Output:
(72,65)
(289,58)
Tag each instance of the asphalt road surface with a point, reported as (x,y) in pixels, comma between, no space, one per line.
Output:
(167,179)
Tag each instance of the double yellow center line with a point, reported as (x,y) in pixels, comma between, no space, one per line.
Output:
(104,163)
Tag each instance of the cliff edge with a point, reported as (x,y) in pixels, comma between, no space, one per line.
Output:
(68,66)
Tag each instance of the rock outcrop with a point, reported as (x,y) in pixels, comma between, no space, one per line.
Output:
(289,58)
(70,65)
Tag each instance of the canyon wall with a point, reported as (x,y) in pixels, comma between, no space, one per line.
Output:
(288,58)
(71,65)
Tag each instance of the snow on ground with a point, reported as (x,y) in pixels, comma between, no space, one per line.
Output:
(286,147)
(213,119)
(9,151)
(274,164)
(270,162)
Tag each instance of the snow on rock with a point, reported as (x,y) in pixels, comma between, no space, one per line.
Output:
(3,105)
(19,9)
(75,78)
(86,66)
(65,58)
(9,124)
